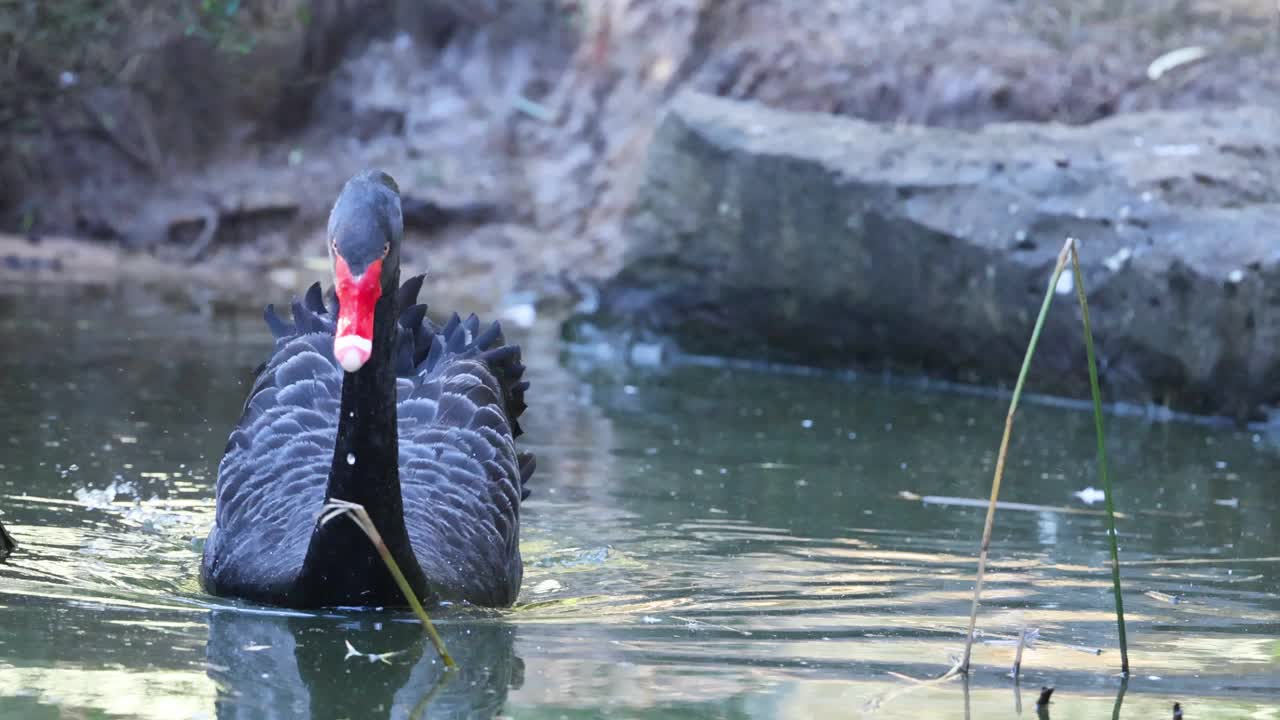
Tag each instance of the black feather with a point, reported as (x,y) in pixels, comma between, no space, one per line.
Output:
(456,341)
(301,318)
(436,352)
(407,296)
(411,317)
(279,328)
(491,333)
(528,463)
(314,300)
(447,331)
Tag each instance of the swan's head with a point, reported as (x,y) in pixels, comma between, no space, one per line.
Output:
(365,226)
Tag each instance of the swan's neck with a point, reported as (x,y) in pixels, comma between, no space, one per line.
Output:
(342,564)
(366,464)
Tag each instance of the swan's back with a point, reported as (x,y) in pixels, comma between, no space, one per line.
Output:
(459,396)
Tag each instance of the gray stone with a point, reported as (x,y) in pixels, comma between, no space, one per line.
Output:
(838,243)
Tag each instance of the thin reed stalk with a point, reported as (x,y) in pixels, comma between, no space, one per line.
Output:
(1017,658)
(358,515)
(1102,457)
(1004,450)
(1124,687)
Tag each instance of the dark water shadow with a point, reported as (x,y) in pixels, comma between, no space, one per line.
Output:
(7,544)
(294,666)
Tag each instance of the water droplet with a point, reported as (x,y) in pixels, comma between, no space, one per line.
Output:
(806,423)
(351,458)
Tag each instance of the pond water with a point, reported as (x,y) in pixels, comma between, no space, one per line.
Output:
(701,543)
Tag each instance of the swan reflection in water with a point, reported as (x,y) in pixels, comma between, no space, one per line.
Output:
(288,665)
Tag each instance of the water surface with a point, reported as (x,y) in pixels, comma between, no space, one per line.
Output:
(701,543)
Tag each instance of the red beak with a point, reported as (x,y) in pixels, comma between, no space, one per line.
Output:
(357,296)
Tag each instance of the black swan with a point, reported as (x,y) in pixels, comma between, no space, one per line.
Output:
(367,401)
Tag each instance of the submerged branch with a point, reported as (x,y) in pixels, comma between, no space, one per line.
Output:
(914,684)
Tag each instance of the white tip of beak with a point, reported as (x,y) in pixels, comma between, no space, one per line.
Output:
(352,351)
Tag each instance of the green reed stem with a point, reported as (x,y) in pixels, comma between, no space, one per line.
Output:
(1124,686)
(1004,450)
(1102,456)
(361,518)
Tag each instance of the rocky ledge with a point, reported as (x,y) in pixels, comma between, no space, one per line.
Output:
(837,243)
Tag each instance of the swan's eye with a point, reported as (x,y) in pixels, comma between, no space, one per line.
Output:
(386,248)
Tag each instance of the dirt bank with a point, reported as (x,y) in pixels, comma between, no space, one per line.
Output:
(519,130)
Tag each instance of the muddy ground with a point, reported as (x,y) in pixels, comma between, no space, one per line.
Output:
(518,130)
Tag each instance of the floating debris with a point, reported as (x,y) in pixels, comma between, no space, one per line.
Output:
(547,586)
(1163,597)
(1090,495)
(694,624)
(1025,507)
(384,658)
